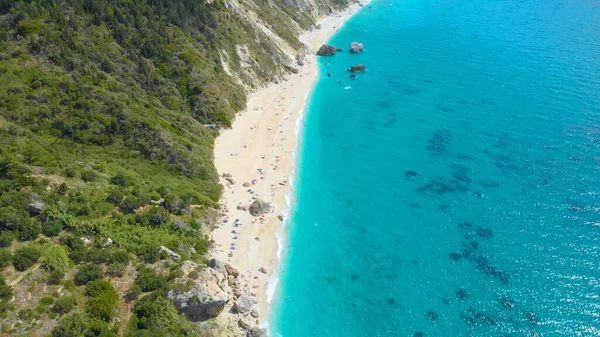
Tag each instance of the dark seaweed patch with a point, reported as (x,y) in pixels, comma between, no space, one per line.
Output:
(455,256)
(390,301)
(475,317)
(431,316)
(483,232)
(462,294)
(465,225)
(507,303)
(418,334)
(444,107)
(446,300)
(411,173)
(530,317)
(437,187)
(437,142)
(414,205)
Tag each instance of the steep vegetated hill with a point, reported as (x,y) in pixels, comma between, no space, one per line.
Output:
(108,111)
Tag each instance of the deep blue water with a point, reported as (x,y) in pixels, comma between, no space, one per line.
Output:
(459,176)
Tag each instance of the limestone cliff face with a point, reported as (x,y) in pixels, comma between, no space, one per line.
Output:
(276,27)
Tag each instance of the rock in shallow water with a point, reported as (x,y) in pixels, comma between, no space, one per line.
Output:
(326,50)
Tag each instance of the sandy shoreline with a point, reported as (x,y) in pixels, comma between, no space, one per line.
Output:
(264,137)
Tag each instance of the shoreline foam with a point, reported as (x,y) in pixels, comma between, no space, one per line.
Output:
(266,136)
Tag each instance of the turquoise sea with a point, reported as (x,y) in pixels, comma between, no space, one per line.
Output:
(454,188)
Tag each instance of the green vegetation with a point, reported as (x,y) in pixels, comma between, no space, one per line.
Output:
(5,257)
(25,257)
(104,107)
(87,273)
(103,300)
(64,304)
(56,259)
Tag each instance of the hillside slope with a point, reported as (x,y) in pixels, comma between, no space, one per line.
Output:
(108,114)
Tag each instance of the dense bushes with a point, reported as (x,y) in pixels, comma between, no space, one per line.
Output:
(56,259)
(25,257)
(156,316)
(87,273)
(149,280)
(5,290)
(103,300)
(64,304)
(5,257)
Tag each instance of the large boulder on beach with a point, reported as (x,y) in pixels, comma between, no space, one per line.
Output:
(359,68)
(356,47)
(260,207)
(257,332)
(204,299)
(326,50)
(244,304)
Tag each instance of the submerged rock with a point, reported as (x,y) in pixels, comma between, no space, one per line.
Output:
(356,47)
(326,50)
(359,68)
(483,232)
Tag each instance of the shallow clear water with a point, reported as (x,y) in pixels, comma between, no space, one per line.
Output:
(457,176)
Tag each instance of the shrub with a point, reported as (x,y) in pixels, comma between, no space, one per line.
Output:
(25,257)
(117,269)
(5,257)
(130,204)
(6,238)
(56,258)
(119,256)
(88,273)
(103,300)
(46,300)
(51,228)
(88,175)
(29,230)
(5,290)
(193,275)
(115,197)
(54,277)
(149,253)
(149,280)
(64,304)
(77,250)
(133,293)
(157,216)
(120,180)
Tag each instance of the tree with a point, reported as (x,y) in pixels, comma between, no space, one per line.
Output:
(25,257)
(56,259)
(157,216)
(88,175)
(87,273)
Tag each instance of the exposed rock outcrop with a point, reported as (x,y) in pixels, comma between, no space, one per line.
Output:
(326,50)
(257,332)
(359,68)
(205,299)
(356,47)
(244,304)
(170,253)
(260,207)
(35,207)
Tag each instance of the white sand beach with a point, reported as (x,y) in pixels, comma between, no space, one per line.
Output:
(263,138)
